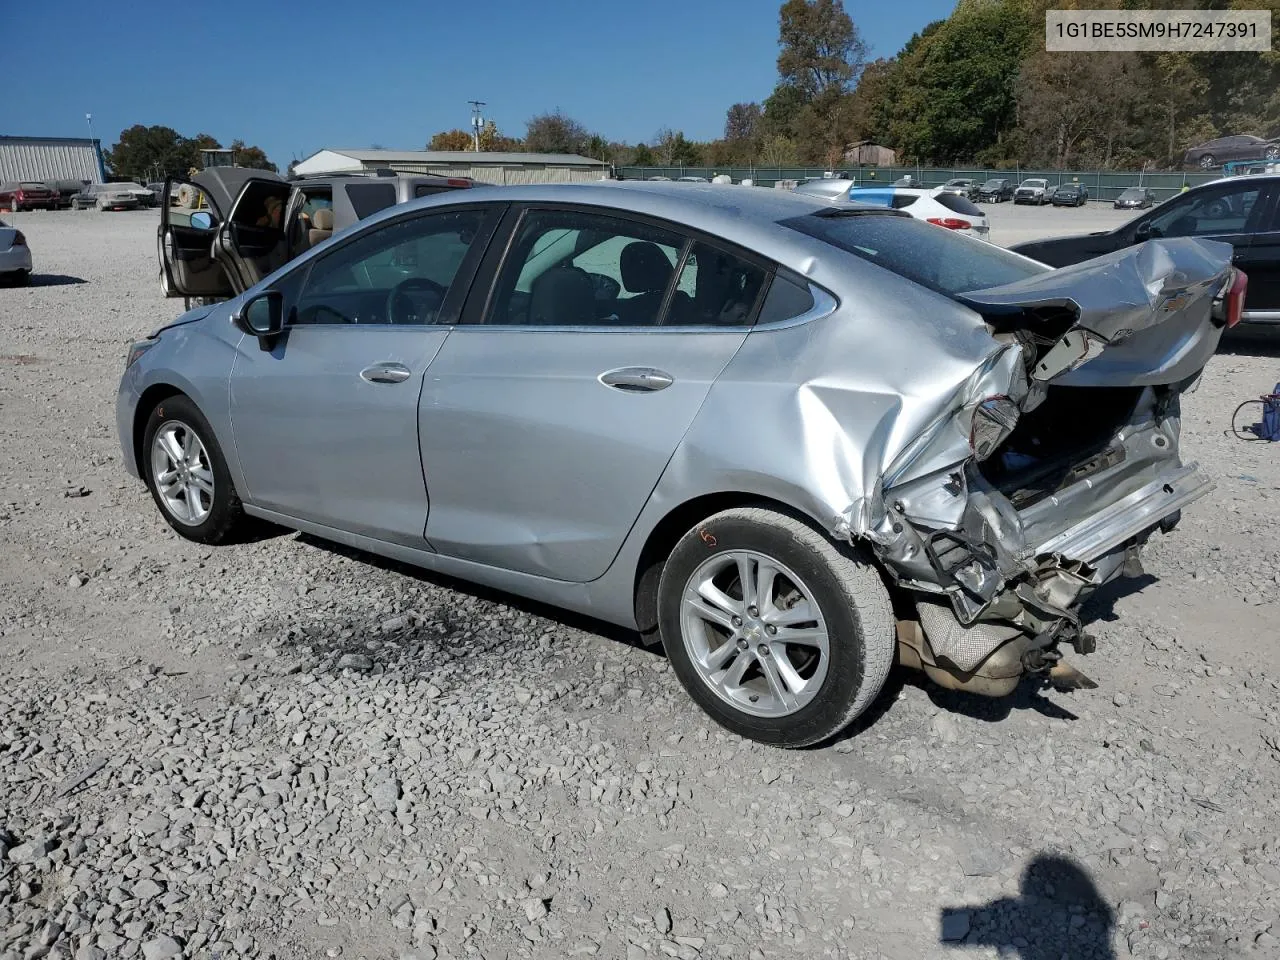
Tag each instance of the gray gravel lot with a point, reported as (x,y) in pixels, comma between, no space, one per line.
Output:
(282,749)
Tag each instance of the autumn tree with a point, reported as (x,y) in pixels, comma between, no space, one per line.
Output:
(451,140)
(251,156)
(555,133)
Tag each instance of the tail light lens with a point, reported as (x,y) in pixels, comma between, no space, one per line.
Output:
(459,182)
(993,420)
(18,239)
(1235,297)
(951,223)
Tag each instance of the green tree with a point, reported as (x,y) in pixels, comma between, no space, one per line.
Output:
(142,152)
(555,133)
(822,50)
(253,157)
(643,156)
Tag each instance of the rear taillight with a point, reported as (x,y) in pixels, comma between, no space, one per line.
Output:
(993,420)
(1235,298)
(951,223)
(18,239)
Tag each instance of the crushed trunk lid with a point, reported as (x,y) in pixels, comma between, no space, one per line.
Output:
(1143,315)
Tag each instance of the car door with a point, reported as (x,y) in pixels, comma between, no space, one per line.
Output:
(250,243)
(1261,263)
(325,416)
(1231,211)
(184,242)
(550,413)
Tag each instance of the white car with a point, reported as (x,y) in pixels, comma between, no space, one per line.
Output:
(933,204)
(15,256)
(1033,190)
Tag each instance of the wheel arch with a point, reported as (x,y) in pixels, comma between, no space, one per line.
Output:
(677,521)
(142,412)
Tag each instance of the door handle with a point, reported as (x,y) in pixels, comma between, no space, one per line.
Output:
(637,379)
(387,372)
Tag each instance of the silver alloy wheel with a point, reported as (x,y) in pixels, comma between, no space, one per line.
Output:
(182,473)
(754,633)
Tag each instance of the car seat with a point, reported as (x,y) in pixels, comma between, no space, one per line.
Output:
(563,296)
(322,228)
(646,271)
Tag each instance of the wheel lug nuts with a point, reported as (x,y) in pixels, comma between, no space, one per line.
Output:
(742,644)
(737,621)
(770,629)
(753,611)
(763,649)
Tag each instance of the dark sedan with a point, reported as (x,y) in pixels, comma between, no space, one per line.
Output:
(1134,198)
(1241,211)
(1070,195)
(1212,153)
(996,189)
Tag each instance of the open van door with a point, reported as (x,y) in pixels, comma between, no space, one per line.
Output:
(189,219)
(251,242)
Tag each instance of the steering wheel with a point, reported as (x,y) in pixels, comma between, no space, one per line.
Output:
(403,287)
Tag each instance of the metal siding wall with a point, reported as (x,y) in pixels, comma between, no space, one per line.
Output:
(499,174)
(48,161)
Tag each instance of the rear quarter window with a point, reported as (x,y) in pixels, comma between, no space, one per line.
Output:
(368,198)
(958,204)
(937,259)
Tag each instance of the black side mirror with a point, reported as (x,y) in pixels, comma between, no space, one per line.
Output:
(263,316)
(1144,232)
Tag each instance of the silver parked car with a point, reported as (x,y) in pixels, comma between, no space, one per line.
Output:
(786,437)
(15,256)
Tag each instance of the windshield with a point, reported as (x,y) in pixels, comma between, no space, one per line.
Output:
(958,183)
(1035,183)
(941,260)
(993,183)
(1133,193)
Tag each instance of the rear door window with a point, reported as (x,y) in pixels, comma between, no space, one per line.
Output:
(1216,211)
(937,259)
(368,198)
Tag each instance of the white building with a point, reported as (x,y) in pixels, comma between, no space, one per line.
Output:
(50,158)
(498,168)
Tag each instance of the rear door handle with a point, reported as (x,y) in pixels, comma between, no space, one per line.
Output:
(637,379)
(387,372)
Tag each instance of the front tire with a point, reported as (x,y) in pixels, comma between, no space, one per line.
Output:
(780,635)
(1208,162)
(187,473)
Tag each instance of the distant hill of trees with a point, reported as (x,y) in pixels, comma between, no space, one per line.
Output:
(975,88)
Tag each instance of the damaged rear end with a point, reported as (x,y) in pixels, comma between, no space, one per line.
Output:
(1054,462)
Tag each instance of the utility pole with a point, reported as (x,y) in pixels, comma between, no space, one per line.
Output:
(477,121)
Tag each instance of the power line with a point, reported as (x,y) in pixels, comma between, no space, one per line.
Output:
(477,121)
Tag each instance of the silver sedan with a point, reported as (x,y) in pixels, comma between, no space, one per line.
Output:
(786,437)
(15,256)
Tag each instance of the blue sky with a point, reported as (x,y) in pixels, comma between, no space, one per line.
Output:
(295,78)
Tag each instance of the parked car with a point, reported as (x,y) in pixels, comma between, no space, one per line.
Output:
(932,205)
(15,256)
(64,192)
(228,227)
(1134,198)
(107,196)
(783,436)
(1070,195)
(1212,153)
(1241,211)
(1032,190)
(18,195)
(995,190)
(962,187)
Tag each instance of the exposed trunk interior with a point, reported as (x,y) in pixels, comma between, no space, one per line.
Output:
(1059,443)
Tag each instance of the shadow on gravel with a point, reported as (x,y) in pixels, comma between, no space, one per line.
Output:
(1102,605)
(54,280)
(1250,343)
(1060,913)
(572,620)
(1026,696)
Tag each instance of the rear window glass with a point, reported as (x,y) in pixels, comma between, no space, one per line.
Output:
(957,204)
(369,198)
(938,259)
(784,301)
(903,200)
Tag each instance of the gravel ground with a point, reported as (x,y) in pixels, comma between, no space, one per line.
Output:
(283,749)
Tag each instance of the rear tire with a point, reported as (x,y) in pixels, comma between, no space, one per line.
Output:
(191,485)
(801,662)
(1208,162)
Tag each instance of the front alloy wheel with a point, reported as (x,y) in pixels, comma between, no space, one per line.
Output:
(187,473)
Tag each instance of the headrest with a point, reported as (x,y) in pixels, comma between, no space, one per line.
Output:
(323,219)
(645,268)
